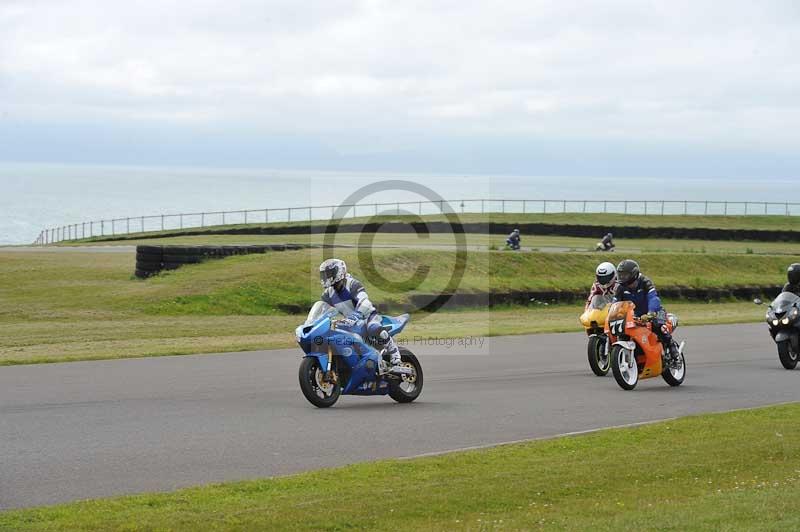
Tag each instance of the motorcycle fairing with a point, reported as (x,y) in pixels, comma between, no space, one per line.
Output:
(394,324)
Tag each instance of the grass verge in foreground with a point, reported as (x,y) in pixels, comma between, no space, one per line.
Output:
(732,471)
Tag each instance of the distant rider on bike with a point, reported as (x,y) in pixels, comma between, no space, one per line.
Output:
(793,276)
(514,239)
(608,241)
(347,294)
(633,286)
(605,283)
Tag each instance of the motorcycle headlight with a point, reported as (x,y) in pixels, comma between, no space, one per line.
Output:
(785,321)
(774,322)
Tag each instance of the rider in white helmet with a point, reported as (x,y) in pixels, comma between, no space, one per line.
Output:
(347,294)
(605,282)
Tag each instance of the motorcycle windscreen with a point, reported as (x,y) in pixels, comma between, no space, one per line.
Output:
(619,310)
(319,310)
(599,302)
(784,303)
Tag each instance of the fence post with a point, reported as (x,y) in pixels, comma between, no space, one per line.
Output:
(309,214)
(765,207)
(504,206)
(102,227)
(289,215)
(544,206)
(376,209)
(685,208)
(202,219)
(662,207)
(564,207)
(645,207)
(419,207)
(626,206)
(705,210)
(745,208)
(266,215)
(584,206)
(223,218)
(725,209)
(482,211)
(787,208)
(181,221)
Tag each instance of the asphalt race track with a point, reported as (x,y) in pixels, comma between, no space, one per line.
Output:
(91,429)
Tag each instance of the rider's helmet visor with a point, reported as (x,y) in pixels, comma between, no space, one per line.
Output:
(328,275)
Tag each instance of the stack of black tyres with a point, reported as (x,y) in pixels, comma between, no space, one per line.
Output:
(152,259)
(149,260)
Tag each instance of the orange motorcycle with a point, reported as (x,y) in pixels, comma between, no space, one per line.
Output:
(636,351)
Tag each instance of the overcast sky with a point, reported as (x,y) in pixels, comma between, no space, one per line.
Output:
(519,87)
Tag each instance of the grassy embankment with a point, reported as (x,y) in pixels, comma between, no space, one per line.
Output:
(478,241)
(68,306)
(602,221)
(733,471)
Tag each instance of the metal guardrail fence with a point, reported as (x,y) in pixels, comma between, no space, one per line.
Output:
(163,222)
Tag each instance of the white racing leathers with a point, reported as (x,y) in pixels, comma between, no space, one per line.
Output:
(353,298)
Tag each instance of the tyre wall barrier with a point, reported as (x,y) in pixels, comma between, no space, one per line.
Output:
(494,228)
(152,259)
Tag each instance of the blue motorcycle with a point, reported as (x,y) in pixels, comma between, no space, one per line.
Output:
(339,360)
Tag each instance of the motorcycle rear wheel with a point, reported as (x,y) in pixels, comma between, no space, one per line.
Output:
(407,389)
(310,376)
(624,367)
(599,360)
(787,356)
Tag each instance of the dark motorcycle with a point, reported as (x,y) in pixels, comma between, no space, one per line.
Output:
(783,318)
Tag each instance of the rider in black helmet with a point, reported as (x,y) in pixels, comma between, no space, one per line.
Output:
(633,286)
(793,276)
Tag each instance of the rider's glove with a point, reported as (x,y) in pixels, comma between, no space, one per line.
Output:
(664,329)
(356,316)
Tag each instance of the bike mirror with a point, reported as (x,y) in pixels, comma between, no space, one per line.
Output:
(757,301)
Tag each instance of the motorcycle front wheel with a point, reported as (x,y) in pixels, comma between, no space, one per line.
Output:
(787,356)
(408,387)
(599,360)
(675,376)
(624,367)
(319,393)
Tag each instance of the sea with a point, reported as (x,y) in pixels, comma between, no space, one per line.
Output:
(38,196)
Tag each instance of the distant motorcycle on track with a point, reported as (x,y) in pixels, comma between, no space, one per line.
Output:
(339,361)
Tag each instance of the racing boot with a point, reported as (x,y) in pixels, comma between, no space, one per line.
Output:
(391,348)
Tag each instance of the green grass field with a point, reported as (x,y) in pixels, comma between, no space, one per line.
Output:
(74,305)
(733,471)
(602,221)
(478,241)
